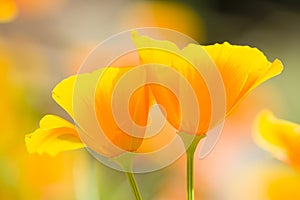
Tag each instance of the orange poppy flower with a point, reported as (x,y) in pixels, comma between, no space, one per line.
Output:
(241,69)
(87,99)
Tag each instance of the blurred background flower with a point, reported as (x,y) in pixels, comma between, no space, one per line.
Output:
(42,42)
(164,14)
(279,137)
(8,11)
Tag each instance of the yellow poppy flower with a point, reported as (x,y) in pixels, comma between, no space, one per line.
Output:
(280,137)
(284,185)
(87,99)
(265,181)
(241,68)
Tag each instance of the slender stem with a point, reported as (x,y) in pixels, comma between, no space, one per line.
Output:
(190,167)
(190,175)
(134,188)
(125,162)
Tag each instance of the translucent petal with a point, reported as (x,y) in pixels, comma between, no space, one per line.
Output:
(55,135)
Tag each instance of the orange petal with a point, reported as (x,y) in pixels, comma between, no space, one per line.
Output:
(119,112)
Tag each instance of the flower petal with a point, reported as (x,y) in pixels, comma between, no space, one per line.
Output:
(242,68)
(155,51)
(280,137)
(63,93)
(55,135)
(112,104)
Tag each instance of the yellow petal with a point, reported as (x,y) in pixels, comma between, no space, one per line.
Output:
(63,93)
(55,135)
(8,10)
(155,51)
(280,137)
(242,68)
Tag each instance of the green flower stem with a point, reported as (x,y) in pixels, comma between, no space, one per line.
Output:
(125,162)
(190,176)
(190,167)
(134,188)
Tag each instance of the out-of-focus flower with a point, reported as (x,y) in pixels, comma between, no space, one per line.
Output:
(241,68)
(163,14)
(56,134)
(8,11)
(6,104)
(30,8)
(38,8)
(280,137)
(24,176)
(269,182)
(284,185)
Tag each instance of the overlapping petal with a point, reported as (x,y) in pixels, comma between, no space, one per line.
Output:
(174,95)
(280,137)
(54,135)
(241,68)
